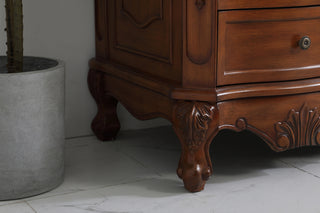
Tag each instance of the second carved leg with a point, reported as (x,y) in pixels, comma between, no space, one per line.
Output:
(105,125)
(196,124)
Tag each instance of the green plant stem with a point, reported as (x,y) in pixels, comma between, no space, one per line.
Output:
(14,20)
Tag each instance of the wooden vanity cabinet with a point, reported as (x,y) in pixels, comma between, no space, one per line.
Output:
(208,65)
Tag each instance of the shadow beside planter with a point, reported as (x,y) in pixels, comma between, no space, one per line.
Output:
(31,129)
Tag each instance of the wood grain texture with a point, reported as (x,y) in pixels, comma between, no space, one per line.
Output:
(288,121)
(268,89)
(302,128)
(101,29)
(142,18)
(195,124)
(141,102)
(243,4)
(171,59)
(128,74)
(105,125)
(146,38)
(141,24)
(262,46)
(199,31)
(209,95)
(199,43)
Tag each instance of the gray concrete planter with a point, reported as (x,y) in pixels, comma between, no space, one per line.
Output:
(31,128)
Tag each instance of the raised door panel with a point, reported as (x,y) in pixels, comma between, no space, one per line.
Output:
(143,27)
(144,34)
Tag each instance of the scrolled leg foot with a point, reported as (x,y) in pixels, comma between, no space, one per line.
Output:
(105,125)
(194,171)
(196,124)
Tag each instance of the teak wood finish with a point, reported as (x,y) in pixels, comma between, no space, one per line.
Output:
(209,65)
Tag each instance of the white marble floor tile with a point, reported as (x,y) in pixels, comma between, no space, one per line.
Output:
(306,159)
(161,138)
(249,178)
(136,174)
(279,190)
(20,207)
(78,202)
(98,164)
(2,203)
(91,164)
(158,160)
(275,191)
(156,195)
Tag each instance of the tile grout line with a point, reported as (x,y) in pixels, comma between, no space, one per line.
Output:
(86,190)
(30,206)
(54,195)
(78,137)
(302,170)
(114,147)
(122,131)
(157,148)
(140,163)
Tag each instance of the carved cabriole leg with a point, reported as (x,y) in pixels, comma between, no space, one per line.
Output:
(196,124)
(105,125)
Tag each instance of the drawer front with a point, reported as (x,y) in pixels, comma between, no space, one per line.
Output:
(242,4)
(263,45)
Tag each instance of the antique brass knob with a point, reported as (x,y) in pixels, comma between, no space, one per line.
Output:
(305,42)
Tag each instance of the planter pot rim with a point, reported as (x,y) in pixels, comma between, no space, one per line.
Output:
(61,64)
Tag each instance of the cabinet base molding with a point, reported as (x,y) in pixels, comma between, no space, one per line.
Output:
(285,122)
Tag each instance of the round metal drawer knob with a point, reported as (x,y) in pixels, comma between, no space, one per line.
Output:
(305,42)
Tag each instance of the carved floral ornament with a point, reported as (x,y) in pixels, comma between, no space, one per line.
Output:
(301,128)
(194,119)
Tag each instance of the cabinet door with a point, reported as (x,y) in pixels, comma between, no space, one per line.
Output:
(144,34)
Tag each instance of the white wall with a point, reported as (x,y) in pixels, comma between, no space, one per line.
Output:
(64,29)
